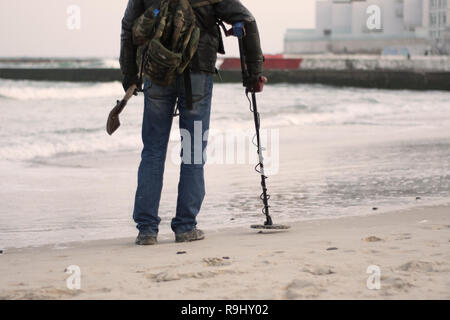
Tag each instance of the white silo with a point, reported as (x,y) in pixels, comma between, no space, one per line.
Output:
(393,14)
(413,10)
(342,17)
(323,16)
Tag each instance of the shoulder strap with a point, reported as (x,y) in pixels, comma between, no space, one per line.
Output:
(163,21)
(188,89)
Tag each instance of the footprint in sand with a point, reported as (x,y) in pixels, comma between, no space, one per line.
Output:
(21,284)
(373,239)
(418,266)
(271,253)
(164,277)
(216,262)
(208,274)
(436,254)
(303,289)
(169,276)
(396,284)
(40,294)
(318,270)
(436,227)
(403,236)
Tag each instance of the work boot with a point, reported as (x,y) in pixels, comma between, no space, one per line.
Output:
(146,239)
(190,236)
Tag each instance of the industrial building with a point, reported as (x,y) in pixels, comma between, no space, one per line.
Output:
(401,27)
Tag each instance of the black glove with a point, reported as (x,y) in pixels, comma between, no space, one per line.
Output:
(129,80)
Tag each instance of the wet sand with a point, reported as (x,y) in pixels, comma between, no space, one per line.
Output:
(322,259)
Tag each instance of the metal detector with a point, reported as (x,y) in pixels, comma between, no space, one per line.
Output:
(265,197)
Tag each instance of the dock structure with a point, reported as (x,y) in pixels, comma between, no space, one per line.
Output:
(383,79)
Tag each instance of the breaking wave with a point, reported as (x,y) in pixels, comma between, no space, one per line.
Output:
(45,119)
(33,90)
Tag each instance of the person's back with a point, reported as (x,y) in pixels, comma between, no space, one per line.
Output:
(161,103)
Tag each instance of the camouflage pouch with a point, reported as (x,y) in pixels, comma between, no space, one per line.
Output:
(144,27)
(168,39)
(160,64)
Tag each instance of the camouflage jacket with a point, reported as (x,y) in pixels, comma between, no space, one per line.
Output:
(229,11)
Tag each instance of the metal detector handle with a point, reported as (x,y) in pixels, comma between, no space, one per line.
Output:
(238,30)
(243,65)
(256,87)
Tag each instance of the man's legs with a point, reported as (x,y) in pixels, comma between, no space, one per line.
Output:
(193,125)
(157,123)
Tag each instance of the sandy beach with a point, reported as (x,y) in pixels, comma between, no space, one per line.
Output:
(322,259)
(67,193)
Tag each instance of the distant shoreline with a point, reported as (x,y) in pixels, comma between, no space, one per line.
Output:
(47,60)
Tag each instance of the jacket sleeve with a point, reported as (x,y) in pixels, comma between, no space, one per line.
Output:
(135,8)
(233,11)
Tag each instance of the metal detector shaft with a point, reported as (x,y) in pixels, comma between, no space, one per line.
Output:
(264,196)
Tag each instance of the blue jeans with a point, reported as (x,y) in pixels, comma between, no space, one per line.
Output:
(160,103)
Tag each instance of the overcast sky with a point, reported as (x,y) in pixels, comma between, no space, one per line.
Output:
(39,27)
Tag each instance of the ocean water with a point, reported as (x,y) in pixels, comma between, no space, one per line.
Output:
(45,63)
(44,119)
(343,151)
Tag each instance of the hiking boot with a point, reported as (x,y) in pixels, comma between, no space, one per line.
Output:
(193,235)
(146,239)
